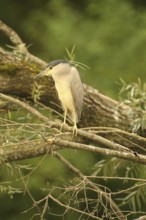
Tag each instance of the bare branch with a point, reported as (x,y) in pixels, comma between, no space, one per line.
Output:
(13,37)
(108,200)
(138,158)
(18,43)
(73,209)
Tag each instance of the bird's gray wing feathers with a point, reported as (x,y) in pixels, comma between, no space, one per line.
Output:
(77,91)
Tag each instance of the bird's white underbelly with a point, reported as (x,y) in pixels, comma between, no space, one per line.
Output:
(65,96)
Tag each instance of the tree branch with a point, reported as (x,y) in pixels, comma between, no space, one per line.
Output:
(18,43)
(119,150)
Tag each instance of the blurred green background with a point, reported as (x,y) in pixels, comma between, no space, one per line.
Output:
(109,36)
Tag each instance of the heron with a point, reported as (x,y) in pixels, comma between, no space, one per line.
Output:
(69,87)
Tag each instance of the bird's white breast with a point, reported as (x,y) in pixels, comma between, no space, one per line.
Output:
(65,95)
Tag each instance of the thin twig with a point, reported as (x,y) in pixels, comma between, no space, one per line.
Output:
(111,203)
(73,209)
(117,178)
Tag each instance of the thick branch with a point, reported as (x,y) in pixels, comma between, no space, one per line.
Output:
(24,150)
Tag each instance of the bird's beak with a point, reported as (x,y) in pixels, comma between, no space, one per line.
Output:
(39,75)
(45,72)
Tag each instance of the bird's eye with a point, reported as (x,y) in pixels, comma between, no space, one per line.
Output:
(51,67)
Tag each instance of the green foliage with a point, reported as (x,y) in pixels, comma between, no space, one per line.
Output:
(8,189)
(37,91)
(128,189)
(71,59)
(134,95)
(111,166)
(135,197)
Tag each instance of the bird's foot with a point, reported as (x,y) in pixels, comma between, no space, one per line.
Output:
(75,130)
(63,124)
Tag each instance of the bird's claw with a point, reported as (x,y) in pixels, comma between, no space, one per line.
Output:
(62,126)
(75,130)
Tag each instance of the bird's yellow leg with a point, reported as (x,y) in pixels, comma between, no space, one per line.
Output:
(64,121)
(75,129)
(65,114)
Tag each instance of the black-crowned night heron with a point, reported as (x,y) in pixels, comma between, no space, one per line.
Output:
(69,88)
